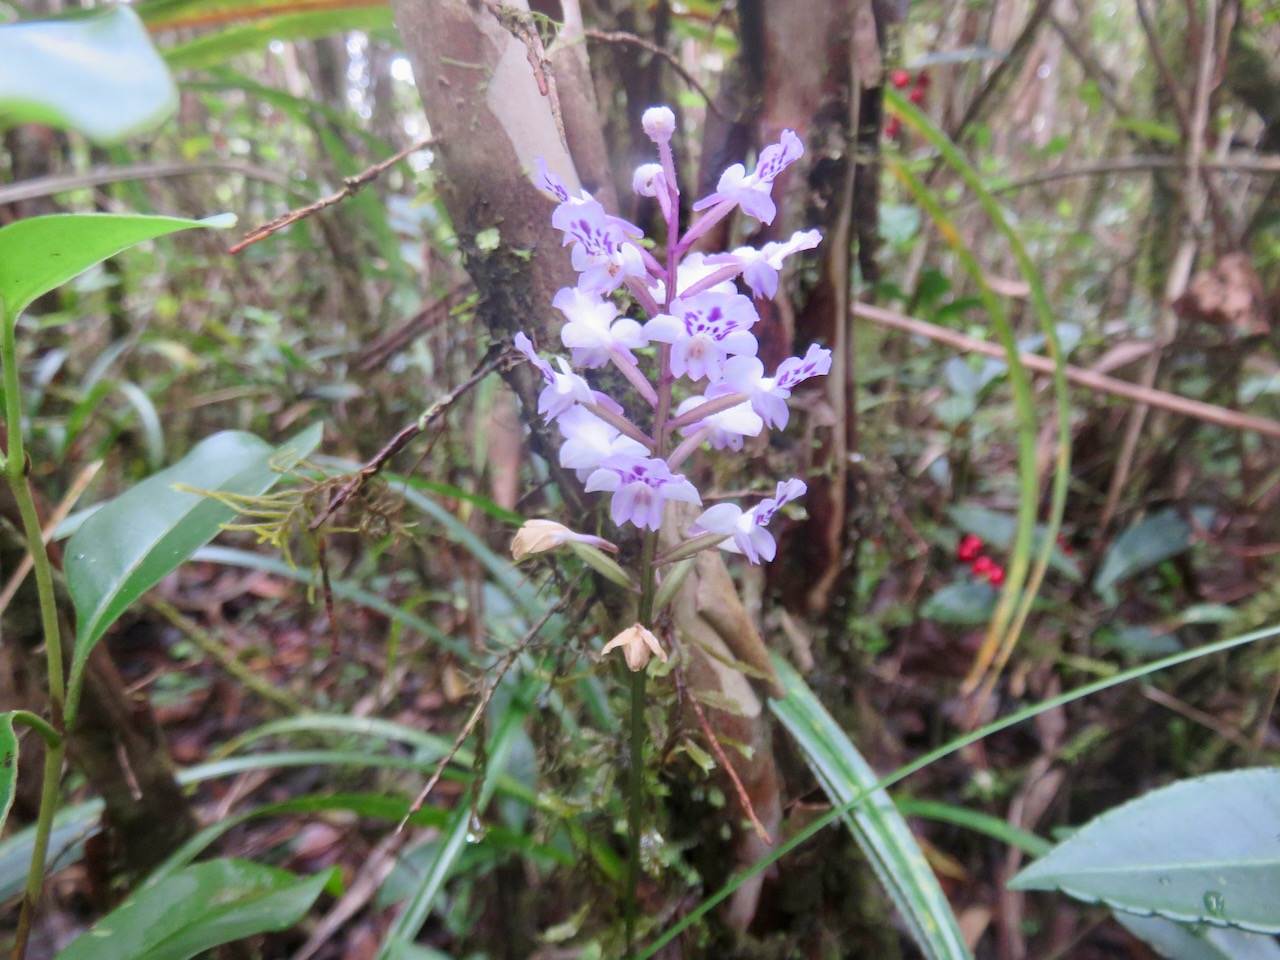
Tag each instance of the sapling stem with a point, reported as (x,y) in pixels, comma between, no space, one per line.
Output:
(16,470)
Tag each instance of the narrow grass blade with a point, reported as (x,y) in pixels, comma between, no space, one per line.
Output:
(876,824)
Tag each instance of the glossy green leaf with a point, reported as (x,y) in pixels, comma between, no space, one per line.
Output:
(129,544)
(1152,540)
(875,822)
(1175,941)
(8,764)
(41,253)
(1205,850)
(98,75)
(198,908)
(216,48)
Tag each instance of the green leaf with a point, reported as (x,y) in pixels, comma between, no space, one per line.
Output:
(199,908)
(129,544)
(1198,851)
(1177,942)
(216,48)
(1152,540)
(8,764)
(966,603)
(98,75)
(41,253)
(875,822)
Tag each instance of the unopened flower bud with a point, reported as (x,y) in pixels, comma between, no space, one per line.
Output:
(638,645)
(659,124)
(646,179)
(539,536)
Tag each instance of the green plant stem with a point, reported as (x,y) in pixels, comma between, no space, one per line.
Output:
(16,474)
(28,719)
(635,774)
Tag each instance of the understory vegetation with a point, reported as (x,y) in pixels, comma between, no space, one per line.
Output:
(949,633)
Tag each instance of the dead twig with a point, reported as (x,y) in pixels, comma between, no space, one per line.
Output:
(485,696)
(351,186)
(361,478)
(383,349)
(622,37)
(1149,396)
(745,800)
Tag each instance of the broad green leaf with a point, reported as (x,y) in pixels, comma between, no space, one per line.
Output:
(1174,941)
(199,908)
(967,603)
(1205,850)
(127,546)
(216,48)
(41,253)
(8,764)
(1155,538)
(875,822)
(98,75)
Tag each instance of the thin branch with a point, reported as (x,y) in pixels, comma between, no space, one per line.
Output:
(1078,375)
(351,186)
(486,695)
(1141,164)
(1010,63)
(37,187)
(362,477)
(745,800)
(1166,72)
(622,37)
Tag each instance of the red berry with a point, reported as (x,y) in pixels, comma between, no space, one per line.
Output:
(922,80)
(892,127)
(1063,545)
(995,576)
(916,96)
(983,566)
(900,78)
(970,546)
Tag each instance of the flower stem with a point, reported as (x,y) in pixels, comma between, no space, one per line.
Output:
(635,775)
(16,470)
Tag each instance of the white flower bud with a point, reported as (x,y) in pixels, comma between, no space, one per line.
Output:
(659,123)
(539,536)
(638,645)
(646,179)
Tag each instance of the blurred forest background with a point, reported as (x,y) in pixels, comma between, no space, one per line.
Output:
(1132,145)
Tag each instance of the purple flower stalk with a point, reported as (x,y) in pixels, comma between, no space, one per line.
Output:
(704,385)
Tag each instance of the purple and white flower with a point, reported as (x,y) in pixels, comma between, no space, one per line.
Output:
(760,267)
(728,427)
(563,389)
(751,191)
(592,334)
(589,441)
(603,251)
(705,324)
(745,531)
(705,330)
(769,395)
(641,487)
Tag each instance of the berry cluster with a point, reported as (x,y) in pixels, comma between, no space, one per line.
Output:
(970,551)
(901,79)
